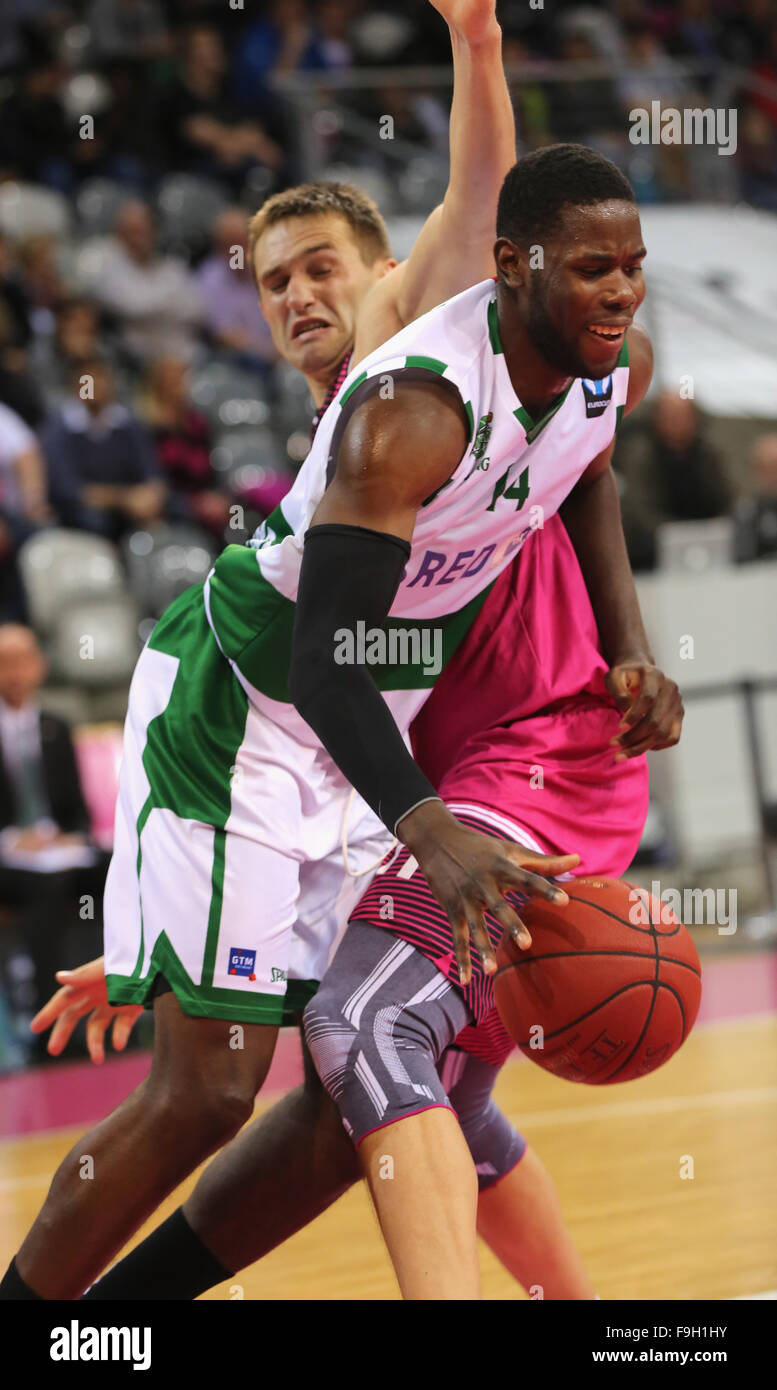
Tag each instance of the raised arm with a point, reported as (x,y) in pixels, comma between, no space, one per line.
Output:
(455,245)
(394,455)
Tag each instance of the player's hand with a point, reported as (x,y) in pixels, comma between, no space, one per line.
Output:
(651,709)
(475,20)
(470,874)
(83,992)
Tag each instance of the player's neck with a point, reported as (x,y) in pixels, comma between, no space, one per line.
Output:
(536,382)
(320,385)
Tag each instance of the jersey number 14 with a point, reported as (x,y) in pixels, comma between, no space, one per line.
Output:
(517,493)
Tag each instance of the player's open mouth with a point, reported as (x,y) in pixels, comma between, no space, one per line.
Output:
(608,332)
(307,328)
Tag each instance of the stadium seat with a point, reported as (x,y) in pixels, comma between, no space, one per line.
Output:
(90,261)
(163,560)
(371,180)
(66,702)
(96,642)
(237,449)
(422,184)
(27,210)
(295,407)
(97,204)
(59,567)
(229,396)
(403,233)
(188,207)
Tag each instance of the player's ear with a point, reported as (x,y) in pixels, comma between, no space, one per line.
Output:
(511,263)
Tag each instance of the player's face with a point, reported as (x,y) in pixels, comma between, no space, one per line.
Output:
(584,299)
(312,280)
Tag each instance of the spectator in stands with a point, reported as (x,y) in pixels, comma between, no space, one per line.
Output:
(756,516)
(42,810)
(669,471)
(585,108)
(77,336)
(182,440)
(745,34)
(34,131)
(18,388)
(13,297)
(103,473)
(206,130)
(42,280)
(234,321)
(154,297)
(285,40)
(649,74)
(757,159)
(127,29)
(530,99)
(333,20)
(764,97)
(23,505)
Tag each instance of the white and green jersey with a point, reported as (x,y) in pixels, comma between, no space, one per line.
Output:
(513,475)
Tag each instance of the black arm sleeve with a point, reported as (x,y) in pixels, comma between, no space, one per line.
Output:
(349,575)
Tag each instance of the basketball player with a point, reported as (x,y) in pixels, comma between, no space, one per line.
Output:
(482,146)
(662,727)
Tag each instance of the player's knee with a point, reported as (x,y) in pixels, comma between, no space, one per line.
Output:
(206,1115)
(496,1145)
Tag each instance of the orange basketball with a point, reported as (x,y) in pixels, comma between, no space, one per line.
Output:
(608,990)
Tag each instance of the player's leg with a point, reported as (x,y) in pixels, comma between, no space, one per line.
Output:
(520,1218)
(427,1211)
(274,1178)
(178,903)
(519,1214)
(198,1094)
(376,1029)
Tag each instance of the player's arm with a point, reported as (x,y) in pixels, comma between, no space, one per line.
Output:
(393,455)
(454,248)
(650,703)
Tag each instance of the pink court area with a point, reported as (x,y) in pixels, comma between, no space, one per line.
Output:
(79,1094)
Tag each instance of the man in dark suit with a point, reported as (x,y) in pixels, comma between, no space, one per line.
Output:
(47,867)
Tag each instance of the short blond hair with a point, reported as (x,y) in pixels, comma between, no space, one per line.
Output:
(319,200)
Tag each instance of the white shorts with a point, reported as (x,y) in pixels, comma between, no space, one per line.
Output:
(228,875)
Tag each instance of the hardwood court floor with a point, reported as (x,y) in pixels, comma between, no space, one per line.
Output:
(616,1155)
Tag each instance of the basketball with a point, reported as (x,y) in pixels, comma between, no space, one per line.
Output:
(609,989)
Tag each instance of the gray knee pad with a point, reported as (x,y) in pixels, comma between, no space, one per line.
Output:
(495,1145)
(377,1026)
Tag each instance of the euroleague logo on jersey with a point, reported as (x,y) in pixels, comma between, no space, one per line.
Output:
(242,962)
(598,395)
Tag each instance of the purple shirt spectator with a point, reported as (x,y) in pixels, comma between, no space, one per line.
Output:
(228,293)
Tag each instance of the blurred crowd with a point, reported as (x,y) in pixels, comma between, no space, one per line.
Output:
(192,85)
(143,410)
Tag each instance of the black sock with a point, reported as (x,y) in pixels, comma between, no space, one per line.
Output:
(12,1286)
(171,1263)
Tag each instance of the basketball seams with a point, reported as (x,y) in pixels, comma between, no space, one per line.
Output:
(564,955)
(646,931)
(600,1004)
(679,1002)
